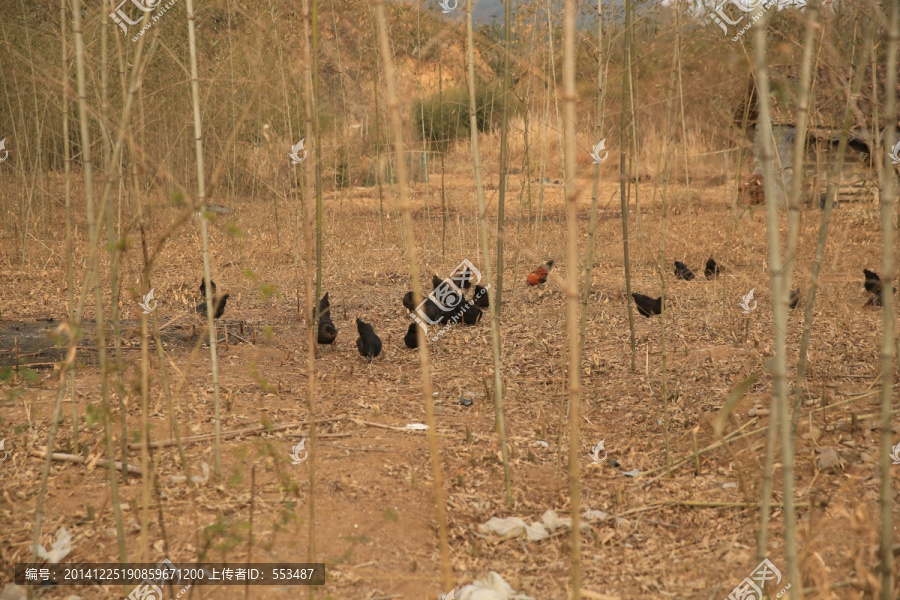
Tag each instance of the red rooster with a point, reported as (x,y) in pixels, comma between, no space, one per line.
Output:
(539,275)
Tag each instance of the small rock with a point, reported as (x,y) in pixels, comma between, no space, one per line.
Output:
(828,459)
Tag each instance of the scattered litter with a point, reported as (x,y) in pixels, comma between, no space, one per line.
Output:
(512,527)
(729,485)
(60,548)
(508,527)
(416,426)
(465,401)
(435,394)
(632,473)
(553,522)
(541,444)
(595,515)
(197,479)
(614,463)
(492,587)
(595,453)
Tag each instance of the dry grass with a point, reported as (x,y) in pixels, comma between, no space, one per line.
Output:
(374,505)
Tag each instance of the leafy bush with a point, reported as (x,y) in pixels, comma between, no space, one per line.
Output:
(444,122)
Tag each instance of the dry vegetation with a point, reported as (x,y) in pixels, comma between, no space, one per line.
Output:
(686,531)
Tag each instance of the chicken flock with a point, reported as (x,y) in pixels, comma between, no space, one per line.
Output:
(447,304)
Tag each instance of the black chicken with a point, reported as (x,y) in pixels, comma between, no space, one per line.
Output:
(218,306)
(471,314)
(481,297)
(682,271)
(432,311)
(646,305)
(712,269)
(212,286)
(411,338)
(368,344)
(327,332)
(874,286)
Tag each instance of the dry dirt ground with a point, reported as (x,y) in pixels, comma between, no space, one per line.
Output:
(375,526)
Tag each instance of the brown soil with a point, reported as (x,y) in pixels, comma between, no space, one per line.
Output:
(375,523)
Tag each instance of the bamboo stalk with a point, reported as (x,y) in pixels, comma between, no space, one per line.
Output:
(629,301)
(830,199)
(444,214)
(572,296)
(311,224)
(684,151)
(662,261)
(250,533)
(888,192)
(595,189)
(204,233)
(485,249)
(70,271)
(112,246)
(145,431)
(793,203)
(504,152)
(317,149)
(51,437)
(92,280)
(779,282)
(390,73)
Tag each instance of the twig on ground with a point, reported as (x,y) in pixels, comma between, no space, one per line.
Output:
(102,462)
(245,431)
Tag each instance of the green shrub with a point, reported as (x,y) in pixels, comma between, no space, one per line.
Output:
(447,121)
